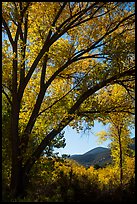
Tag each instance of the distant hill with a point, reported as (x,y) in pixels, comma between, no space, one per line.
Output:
(132,146)
(98,155)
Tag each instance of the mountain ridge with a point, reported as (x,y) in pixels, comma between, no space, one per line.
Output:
(97,156)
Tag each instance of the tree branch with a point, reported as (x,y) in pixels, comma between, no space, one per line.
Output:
(48,42)
(65,121)
(106,34)
(94,56)
(8,31)
(63,95)
(126,88)
(87,113)
(89,18)
(19,29)
(8,98)
(43,72)
(77,15)
(54,38)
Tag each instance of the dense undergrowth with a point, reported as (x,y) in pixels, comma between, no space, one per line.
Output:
(59,180)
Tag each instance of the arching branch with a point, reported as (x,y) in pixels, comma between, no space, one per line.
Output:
(8,98)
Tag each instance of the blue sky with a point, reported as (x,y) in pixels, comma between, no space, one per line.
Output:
(80,143)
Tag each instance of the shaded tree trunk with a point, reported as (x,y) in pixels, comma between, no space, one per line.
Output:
(16,184)
(17,177)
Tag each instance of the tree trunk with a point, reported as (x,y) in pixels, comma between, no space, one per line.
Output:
(18,181)
(17,174)
(17,178)
(16,168)
(120,157)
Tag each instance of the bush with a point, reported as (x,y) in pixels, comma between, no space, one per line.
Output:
(62,180)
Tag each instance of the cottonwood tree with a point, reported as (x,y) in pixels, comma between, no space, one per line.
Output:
(120,125)
(56,58)
(119,134)
(120,142)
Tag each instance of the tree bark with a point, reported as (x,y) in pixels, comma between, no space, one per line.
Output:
(16,166)
(18,175)
(16,157)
